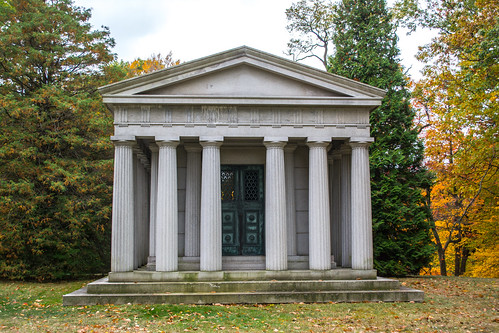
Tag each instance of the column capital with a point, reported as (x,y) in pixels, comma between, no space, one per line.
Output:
(318,144)
(290,147)
(167,143)
(345,149)
(361,140)
(360,145)
(153,148)
(160,140)
(192,148)
(274,144)
(336,154)
(206,144)
(124,141)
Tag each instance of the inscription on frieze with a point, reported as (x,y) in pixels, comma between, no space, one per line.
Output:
(219,114)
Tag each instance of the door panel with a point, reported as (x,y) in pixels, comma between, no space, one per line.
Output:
(242,210)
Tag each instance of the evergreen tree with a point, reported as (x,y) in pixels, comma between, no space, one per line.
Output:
(366,51)
(55,154)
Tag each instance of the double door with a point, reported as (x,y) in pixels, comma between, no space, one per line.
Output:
(242,210)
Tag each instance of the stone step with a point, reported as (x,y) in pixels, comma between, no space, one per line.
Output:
(242,275)
(104,286)
(82,297)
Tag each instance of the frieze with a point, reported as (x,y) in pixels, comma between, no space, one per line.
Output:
(233,116)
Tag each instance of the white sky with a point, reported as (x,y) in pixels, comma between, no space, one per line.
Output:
(192,29)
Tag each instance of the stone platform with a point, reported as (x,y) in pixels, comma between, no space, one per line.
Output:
(241,287)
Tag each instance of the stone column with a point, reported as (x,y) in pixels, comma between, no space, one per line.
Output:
(153,204)
(336,207)
(141,209)
(346,221)
(122,249)
(167,207)
(362,238)
(136,210)
(289,165)
(335,235)
(211,206)
(192,200)
(276,253)
(319,222)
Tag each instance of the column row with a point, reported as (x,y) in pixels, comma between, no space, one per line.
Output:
(349,207)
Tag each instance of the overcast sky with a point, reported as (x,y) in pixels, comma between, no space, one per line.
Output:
(192,29)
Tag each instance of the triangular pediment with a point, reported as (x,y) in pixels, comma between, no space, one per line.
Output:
(237,76)
(243,80)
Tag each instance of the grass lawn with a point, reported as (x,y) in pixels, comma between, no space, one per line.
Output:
(451,305)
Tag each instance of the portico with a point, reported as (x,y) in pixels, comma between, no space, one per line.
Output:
(176,130)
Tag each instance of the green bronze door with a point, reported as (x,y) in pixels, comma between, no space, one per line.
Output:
(242,210)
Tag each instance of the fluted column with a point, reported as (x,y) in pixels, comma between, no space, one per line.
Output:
(141,209)
(289,165)
(335,235)
(336,207)
(211,206)
(346,206)
(192,201)
(319,222)
(136,210)
(167,207)
(362,241)
(153,204)
(122,249)
(276,253)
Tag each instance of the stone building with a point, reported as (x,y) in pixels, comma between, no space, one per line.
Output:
(241,166)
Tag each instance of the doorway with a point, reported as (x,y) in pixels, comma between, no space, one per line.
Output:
(242,210)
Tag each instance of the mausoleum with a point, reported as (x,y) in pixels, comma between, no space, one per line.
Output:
(245,172)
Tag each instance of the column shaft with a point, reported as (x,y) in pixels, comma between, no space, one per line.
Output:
(153,204)
(336,208)
(192,201)
(122,252)
(211,208)
(289,161)
(319,221)
(167,208)
(276,254)
(136,211)
(335,227)
(362,242)
(346,206)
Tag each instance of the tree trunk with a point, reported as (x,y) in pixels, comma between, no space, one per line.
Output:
(461,257)
(457,261)
(464,260)
(440,250)
(441,260)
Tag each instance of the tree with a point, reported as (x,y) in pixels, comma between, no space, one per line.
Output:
(120,70)
(55,155)
(312,21)
(151,64)
(457,103)
(366,50)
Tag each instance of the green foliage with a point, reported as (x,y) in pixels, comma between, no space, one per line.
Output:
(55,156)
(366,51)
